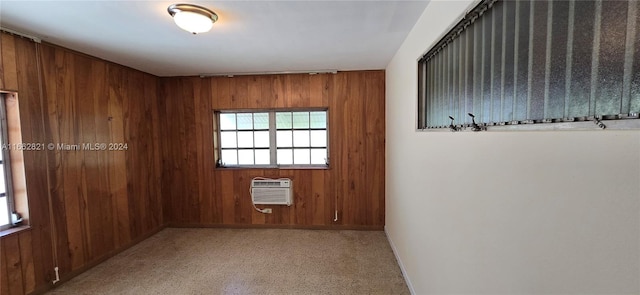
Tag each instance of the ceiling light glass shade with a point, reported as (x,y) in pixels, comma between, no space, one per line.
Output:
(192,18)
(192,22)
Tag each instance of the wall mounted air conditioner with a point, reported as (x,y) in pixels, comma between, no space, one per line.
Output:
(271,192)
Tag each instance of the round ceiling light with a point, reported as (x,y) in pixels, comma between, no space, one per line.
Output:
(192,18)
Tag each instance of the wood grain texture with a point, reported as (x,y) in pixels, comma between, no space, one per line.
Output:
(4,278)
(198,194)
(31,258)
(9,67)
(26,261)
(18,275)
(11,246)
(102,201)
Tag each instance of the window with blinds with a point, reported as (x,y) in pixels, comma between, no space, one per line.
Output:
(525,62)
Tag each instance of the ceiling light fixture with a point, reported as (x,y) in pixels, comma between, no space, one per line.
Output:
(192,18)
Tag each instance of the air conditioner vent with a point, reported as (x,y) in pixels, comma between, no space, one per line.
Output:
(271,192)
(269,183)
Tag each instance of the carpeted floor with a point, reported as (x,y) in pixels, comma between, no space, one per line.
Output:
(248,261)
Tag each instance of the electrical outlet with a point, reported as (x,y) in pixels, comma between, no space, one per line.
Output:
(267,210)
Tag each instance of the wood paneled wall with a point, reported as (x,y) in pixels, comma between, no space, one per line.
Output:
(27,261)
(101,201)
(198,194)
(104,201)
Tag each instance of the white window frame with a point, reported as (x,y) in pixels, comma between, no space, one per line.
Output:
(272,139)
(6,163)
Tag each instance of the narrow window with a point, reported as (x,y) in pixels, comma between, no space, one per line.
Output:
(530,62)
(10,149)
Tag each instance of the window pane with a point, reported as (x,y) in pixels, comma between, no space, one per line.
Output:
(301,120)
(319,138)
(3,187)
(228,139)
(283,120)
(242,144)
(261,121)
(301,138)
(263,157)
(245,139)
(285,157)
(227,121)
(245,121)
(245,157)
(301,156)
(229,157)
(283,138)
(318,119)
(261,138)
(4,211)
(319,156)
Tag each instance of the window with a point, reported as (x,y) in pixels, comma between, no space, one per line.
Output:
(274,138)
(6,193)
(528,62)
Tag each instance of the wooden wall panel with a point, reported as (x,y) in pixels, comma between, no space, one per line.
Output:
(198,194)
(101,201)
(4,273)
(374,161)
(28,253)
(9,71)
(116,160)
(16,254)
(11,246)
(26,261)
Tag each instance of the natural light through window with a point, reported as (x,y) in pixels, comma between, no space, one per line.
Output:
(273,138)
(301,138)
(244,138)
(5,171)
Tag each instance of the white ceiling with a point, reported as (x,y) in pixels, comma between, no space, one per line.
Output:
(250,36)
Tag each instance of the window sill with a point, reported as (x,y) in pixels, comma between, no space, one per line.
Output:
(14,230)
(282,167)
(622,124)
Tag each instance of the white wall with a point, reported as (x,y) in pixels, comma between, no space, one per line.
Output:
(506,212)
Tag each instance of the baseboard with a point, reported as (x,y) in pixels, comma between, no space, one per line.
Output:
(278,226)
(402,269)
(70,275)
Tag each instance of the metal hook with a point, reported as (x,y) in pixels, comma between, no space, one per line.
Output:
(452,127)
(474,126)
